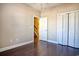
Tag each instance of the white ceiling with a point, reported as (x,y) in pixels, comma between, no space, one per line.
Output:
(41,6)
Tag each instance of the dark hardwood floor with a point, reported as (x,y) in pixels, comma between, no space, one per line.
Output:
(44,49)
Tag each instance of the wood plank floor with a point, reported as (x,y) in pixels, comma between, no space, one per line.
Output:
(44,49)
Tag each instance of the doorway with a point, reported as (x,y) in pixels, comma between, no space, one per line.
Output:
(43,28)
(40,29)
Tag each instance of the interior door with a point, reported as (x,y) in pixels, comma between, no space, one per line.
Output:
(59,29)
(36,31)
(65,29)
(71,40)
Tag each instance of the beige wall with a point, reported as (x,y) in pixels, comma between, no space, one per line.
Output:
(51,13)
(16,24)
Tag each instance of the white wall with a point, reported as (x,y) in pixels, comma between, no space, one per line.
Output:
(16,24)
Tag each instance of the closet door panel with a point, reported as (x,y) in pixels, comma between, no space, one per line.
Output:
(59,29)
(65,29)
(77,30)
(71,29)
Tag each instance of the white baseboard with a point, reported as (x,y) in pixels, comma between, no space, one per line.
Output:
(14,46)
(51,41)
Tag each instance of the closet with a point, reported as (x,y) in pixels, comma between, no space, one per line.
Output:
(68,29)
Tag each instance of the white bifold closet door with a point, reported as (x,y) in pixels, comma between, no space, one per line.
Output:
(65,29)
(77,30)
(71,40)
(59,28)
(62,28)
(68,29)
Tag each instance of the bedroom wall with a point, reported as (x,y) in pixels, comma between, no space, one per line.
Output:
(51,13)
(16,24)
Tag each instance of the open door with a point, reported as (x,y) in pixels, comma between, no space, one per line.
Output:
(36,31)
